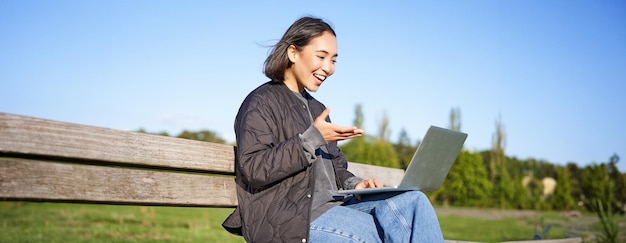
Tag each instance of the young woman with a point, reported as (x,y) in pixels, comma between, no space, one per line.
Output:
(288,166)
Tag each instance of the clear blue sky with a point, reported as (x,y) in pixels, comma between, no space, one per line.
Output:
(553,71)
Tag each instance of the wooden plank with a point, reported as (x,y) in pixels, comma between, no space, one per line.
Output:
(32,180)
(40,137)
(388,176)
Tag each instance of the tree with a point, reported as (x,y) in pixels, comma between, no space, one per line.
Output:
(354,149)
(141,130)
(380,151)
(358,116)
(504,189)
(455,119)
(497,150)
(575,181)
(371,150)
(384,131)
(521,195)
(404,150)
(503,184)
(620,183)
(467,183)
(203,135)
(596,185)
(562,198)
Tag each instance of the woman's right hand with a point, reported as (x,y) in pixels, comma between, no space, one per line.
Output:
(332,132)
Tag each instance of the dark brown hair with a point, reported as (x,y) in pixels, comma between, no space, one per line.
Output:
(299,34)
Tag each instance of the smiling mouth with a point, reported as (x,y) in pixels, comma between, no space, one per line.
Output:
(320,77)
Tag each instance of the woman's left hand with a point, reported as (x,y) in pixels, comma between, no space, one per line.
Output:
(369,183)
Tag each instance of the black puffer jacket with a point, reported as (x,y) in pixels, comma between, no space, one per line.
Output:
(274,178)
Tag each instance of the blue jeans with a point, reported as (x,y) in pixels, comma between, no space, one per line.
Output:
(398,217)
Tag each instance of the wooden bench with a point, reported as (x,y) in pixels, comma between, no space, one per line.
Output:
(50,161)
(45,160)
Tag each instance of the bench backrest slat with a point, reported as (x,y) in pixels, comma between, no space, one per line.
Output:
(40,137)
(388,176)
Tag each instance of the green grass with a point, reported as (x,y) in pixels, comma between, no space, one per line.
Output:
(494,230)
(60,222)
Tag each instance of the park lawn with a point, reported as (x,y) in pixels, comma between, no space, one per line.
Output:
(494,230)
(60,222)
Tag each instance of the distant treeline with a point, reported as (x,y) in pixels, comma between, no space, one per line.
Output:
(491,179)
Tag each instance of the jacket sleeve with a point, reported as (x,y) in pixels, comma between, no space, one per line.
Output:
(263,160)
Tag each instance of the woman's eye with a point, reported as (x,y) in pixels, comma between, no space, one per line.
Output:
(323,57)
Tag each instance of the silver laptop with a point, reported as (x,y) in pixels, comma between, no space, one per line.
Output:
(430,164)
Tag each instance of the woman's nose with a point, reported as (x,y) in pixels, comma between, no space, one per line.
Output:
(328,67)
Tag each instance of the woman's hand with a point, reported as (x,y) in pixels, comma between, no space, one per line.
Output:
(332,132)
(369,183)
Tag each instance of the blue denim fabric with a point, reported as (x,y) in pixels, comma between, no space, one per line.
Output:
(399,217)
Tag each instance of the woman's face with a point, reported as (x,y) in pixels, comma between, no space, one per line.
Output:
(313,64)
